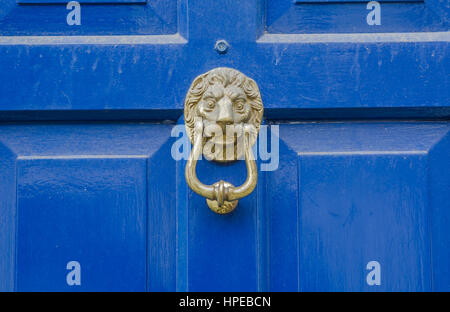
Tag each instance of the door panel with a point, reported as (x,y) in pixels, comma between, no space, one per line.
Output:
(91,193)
(98,17)
(350,193)
(339,16)
(90,210)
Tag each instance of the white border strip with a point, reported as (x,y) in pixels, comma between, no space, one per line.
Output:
(266,38)
(107,40)
(443,36)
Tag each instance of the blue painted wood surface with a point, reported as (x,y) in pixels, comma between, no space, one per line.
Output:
(331,71)
(339,1)
(350,193)
(80,1)
(44,19)
(88,210)
(92,193)
(85,147)
(332,17)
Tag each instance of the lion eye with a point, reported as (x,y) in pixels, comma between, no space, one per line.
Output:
(240,105)
(210,104)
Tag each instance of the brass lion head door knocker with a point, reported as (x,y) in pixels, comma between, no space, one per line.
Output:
(223,112)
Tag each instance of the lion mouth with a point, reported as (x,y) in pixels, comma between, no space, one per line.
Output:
(222,140)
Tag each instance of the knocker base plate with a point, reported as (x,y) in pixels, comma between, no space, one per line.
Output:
(227,206)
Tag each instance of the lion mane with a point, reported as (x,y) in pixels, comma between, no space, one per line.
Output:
(226,77)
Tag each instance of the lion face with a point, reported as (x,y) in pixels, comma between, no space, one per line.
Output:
(225,107)
(229,105)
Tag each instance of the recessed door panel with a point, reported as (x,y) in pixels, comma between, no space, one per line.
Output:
(338,16)
(95,17)
(95,210)
(88,210)
(357,193)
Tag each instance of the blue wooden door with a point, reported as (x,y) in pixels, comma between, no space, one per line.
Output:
(356,101)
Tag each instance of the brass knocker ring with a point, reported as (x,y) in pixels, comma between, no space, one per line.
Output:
(221,197)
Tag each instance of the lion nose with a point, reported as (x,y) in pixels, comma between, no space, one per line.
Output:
(225,111)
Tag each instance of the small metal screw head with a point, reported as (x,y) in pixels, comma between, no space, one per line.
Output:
(221,46)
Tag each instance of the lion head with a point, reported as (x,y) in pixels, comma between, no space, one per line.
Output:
(227,101)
